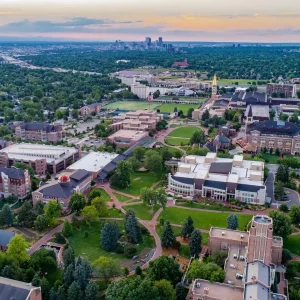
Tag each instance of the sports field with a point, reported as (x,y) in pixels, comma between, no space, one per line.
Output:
(131,105)
(169,107)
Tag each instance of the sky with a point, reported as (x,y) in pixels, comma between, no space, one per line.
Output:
(133,20)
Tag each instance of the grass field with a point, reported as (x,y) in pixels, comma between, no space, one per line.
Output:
(169,107)
(184,132)
(131,105)
(292,243)
(202,220)
(177,141)
(105,195)
(113,213)
(203,206)
(143,211)
(122,198)
(171,149)
(140,180)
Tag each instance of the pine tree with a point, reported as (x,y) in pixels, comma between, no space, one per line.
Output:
(167,238)
(109,236)
(69,275)
(7,215)
(232,222)
(68,257)
(185,229)
(80,276)
(67,229)
(132,227)
(91,291)
(61,294)
(36,280)
(45,287)
(195,243)
(190,223)
(74,291)
(53,295)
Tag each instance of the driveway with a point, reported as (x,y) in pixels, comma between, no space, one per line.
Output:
(293,198)
(270,186)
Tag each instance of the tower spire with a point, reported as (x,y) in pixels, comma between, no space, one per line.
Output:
(215,80)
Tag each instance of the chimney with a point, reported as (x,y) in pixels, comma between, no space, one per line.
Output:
(206,291)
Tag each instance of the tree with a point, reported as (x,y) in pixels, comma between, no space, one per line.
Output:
(68,257)
(26,215)
(90,213)
(279,191)
(281,223)
(74,291)
(277,152)
(44,260)
(121,177)
(164,268)
(272,114)
(167,237)
(282,173)
(190,112)
(69,274)
(53,295)
(295,214)
(181,291)
(7,215)
(77,202)
(139,152)
(59,114)
(94,193)
(135,164)
(165,153)
(283,207)
(109,236)
(195,243)
(100,205)
(67,229)
(107,268)
(232,222)
(187,227)
(17,249)
(41,223)
(52,209)
(198,137)
(165,289)
(218,257)
(132,227)
(177,154)
(80,276)
(153,197)
(75,113)
(45,287)
(153,161)
(286,256)
(205,115)
(91,291)
(132,288)
(36,280)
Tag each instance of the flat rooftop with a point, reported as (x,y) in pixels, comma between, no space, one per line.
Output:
(217,291)
(129,134)
(32,152)
(262,219)
(258,271)
(93,162)
(234,235)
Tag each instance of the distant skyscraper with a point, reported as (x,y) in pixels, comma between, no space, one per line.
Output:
(160,41)
(148,41)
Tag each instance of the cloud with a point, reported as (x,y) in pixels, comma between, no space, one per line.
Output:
(75,24)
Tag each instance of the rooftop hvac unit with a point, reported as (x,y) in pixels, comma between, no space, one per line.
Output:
(242,236)
(223,233)
(206,290)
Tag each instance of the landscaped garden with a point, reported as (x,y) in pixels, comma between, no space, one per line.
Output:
(202,219)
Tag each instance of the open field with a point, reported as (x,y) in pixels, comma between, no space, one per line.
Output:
(132,105)
(184,132)
(140,180)
(292,243)
(182,98)
(104,195)
(177,141)
(142,211)
(202,219)
(169,107)
(122,198)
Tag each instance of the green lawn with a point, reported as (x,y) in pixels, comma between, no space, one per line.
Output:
(131,105)
(202,220)
(177,141)
(90,247)
(169,107)
(182,98)
(140,180)
(114,213)
(122,198)
(143,211)
(105,195)
(184,132)
(171,149)
(192,204)
(270,158)
(292,243)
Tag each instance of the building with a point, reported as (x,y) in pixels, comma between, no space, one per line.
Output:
(63,189)
(126,138)
(137,120)
(197,114)
(281,90)
(274,134)
(148,41)
(214,88)
(5,237)
(38,131)
(14,182)
(250,266)
(42,158)
(221,142)
(181,64)
(17,290)
(93,162)
(219,178)
(257,113)
(90,109)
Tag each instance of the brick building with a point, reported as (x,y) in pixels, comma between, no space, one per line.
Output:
(281,90)
(89,109)
(14,182)
(274,134)
(126,138)
(38,131)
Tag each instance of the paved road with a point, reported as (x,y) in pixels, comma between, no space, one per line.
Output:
(270,186)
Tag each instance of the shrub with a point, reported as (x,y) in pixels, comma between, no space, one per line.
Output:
(130,251)
(59,238)
(86,234)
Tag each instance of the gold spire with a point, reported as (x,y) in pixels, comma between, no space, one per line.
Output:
(215,80)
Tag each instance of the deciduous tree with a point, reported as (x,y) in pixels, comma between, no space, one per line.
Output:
(100,205)
(67,229)
(52,209)
(90,213)
(165,289)
(107,268)
(295,214)
(17,249)
(77,202)
(41,223)
(281,223)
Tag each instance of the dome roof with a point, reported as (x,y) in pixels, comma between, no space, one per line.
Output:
(64,178)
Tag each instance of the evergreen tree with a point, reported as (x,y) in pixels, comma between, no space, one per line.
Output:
(88,269)
(68,257)
(91,291)
(282,173)
(187,227)
(69,275)
(232,222)
(36,280)
(45,287)
(53,295)
(74,291)
(80,276)
(132,227)
(67,229)
(7,215)
(167,237)
(61,294)
(181,291)
(109,236)
(195,243)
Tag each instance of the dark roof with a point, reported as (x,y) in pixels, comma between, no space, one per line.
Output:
(210,146)
(93,105)
(39,126)
(222,139)
(5,237)
(12,292)
(220,167)
(80,175)
(275,127)
(227,95)
(249,188)
(215,184)
(221,102)
(250,113)
(13,173)
(183,179)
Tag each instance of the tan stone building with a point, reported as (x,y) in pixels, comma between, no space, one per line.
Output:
(126,138)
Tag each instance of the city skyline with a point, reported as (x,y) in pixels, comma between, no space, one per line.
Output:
(132,20)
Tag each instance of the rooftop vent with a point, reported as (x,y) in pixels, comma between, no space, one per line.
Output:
(206,291)
(223,233)
(242,236)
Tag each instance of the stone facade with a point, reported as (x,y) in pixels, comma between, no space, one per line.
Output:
(89,109)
